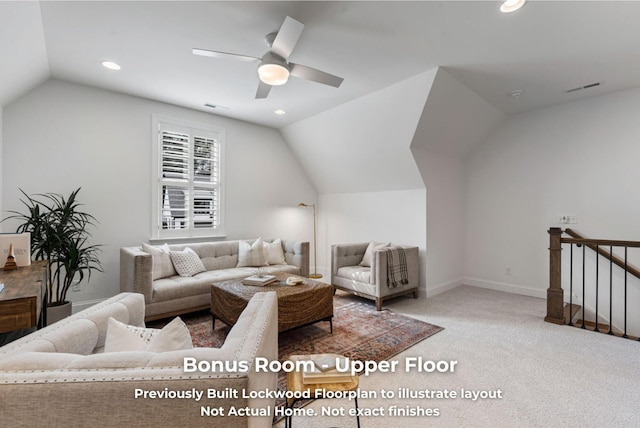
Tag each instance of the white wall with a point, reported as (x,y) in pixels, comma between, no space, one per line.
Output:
(392,216)
(61,136)
(579,159)
(454,120)
(444,177)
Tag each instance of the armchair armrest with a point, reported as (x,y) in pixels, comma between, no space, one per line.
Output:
(379,269)
(136,272)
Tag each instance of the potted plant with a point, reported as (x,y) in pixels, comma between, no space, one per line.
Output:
(59,234)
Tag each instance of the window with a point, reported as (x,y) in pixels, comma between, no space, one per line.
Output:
(187,177)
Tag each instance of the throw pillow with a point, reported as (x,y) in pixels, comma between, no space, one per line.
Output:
(187,262)
(251,254)
(367,259)
(122,337)
(273,253)
(162,265)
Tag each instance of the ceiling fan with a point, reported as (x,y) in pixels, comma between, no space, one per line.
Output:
(274,69)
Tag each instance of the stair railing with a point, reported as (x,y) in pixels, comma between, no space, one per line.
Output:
(555,294)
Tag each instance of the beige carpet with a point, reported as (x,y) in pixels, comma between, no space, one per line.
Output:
(549,375)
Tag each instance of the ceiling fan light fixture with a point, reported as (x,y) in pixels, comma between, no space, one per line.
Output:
(509,6)
(273,74)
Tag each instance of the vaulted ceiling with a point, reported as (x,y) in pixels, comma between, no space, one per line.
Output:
(543,49)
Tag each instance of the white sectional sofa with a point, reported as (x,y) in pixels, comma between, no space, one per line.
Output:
(173,294)
(59,377)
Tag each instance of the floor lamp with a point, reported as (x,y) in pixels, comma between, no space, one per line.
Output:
(315,274)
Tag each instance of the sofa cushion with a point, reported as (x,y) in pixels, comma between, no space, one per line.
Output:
(273,253)
(355,273)
(122,337)
(162,264)
(187,262)
(367,259)
(251,254)
(217,255)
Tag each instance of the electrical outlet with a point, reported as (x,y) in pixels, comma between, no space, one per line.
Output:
(507,271)
(75,287)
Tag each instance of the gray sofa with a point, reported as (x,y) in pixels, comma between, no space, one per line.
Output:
(372,281)
(175,295)
(58,377)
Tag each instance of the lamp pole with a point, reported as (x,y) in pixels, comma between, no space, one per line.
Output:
(315,274)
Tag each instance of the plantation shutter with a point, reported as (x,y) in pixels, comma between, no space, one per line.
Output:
(189,182)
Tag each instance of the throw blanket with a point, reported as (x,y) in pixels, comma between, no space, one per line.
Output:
(397,273)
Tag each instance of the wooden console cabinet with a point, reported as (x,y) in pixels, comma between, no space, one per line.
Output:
(23,301)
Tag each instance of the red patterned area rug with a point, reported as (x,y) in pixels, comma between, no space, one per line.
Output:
(359,332)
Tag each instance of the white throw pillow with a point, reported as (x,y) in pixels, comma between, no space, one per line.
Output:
(162,265)
(273,253)
(122,337)
(367,259)
(251,254)
(187,262)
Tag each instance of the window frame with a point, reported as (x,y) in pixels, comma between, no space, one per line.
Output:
(163,123)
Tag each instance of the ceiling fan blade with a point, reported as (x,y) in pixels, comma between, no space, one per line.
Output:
(287,37)
(223,55)
(263,90)
(308,73)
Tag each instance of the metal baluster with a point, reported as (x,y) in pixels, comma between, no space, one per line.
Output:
(610,289)
(597,281)
(571,285)
(583,280)
(625,293)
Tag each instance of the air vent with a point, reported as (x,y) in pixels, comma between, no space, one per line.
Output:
(579,88)
(217,107)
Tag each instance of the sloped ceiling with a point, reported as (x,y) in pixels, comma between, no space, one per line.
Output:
(23,52)
(455,118)
(543,49)
(364,145)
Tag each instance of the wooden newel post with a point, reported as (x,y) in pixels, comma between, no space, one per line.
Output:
(555,294)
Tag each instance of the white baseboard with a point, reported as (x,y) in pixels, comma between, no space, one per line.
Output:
(441,288)
(79,306)
(503,286)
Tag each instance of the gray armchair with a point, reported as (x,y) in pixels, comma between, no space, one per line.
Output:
(368,275)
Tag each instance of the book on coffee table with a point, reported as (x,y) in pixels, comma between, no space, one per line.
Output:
(259,280)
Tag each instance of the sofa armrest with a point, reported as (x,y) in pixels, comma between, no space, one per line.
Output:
(379,267)
(347,255)
(116,377)
(296,253)
(136,272)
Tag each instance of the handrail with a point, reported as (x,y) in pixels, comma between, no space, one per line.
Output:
(555,294)
(595,244)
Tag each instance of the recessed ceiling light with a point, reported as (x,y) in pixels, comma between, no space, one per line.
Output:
(110,65)
(516,94)
(280,112)
(509,6)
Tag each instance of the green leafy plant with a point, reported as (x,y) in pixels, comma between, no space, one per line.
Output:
(59,234)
